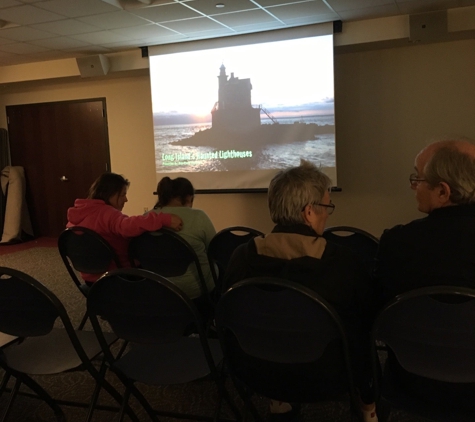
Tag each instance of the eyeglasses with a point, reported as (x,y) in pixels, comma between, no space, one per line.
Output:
(330,207)
(414,180)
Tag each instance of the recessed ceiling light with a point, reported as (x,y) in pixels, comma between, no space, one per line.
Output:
(220,5)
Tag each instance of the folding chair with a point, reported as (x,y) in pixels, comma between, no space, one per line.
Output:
(364,244)
(222,246)
(152,315)
(430,336)
(29,311)
(278,339)
(166,253)
(83,250)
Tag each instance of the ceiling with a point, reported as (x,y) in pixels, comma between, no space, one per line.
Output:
(40,30)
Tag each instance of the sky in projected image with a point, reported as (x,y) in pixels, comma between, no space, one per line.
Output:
(283,74)
(290,115)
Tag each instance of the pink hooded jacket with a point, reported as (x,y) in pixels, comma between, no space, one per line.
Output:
(115,227)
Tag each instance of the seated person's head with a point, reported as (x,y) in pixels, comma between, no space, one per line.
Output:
(177,192)
(300,195)
(445,175)
(111,188)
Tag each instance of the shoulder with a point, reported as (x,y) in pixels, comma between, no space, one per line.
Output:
(197,213)
(402,231)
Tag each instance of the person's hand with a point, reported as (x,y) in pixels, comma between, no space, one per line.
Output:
(177,223)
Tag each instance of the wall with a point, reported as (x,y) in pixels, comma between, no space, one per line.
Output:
(131,141)
(389,104)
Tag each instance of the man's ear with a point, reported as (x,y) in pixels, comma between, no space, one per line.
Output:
(307,213)
(444,192)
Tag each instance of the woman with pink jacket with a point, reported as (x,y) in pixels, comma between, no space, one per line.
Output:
(102,212)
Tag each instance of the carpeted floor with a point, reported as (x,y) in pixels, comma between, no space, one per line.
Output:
(42,261)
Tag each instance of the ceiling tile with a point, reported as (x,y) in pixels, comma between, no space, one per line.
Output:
(76,8)
(98,38)
(289,13)
(9,3)
(66,27)
(145,31)
(241,19)
(209,7)
(89,50)
(95,26)
(6,41)
(166,13)
(24,33)
(113,20)
(193,25)
(26,15)
(59,43)
(269,3)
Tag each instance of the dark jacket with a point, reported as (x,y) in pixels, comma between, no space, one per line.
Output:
(298,254)
(436,250)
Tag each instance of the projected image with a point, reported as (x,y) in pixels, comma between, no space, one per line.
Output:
(244,108)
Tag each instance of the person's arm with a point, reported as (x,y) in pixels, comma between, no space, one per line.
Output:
(136,225)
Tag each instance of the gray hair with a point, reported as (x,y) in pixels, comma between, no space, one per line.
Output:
(292,189)
(455,167)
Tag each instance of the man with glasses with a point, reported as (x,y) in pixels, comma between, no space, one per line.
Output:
(438,249)
(299,205)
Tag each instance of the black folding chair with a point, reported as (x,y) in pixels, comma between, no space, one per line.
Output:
(152,315)
(29,311)
(166,253)
(430,335)
(5,340)
(364,244)
(221,248)
(83,250)
(279,339)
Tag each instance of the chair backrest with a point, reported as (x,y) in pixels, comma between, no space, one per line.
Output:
(166,253)
(364,244)
(84,250)
(280,323)
(431,332)
(222,246)
(224,243)
(142,307)
(29,309)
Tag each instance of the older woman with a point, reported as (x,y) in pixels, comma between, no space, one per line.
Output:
(102,212)
(299,204)
(176,196)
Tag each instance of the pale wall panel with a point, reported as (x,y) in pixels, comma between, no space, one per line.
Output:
(389,103)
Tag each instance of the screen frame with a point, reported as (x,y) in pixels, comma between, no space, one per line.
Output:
(327,28)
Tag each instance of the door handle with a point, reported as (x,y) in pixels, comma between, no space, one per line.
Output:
(64,179)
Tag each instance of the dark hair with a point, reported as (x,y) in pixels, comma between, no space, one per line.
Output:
(168,189)
(106,186)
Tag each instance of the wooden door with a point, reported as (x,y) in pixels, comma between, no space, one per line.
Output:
(63,147)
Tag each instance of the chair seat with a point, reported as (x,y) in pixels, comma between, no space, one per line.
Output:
(169,363)
(54,352)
